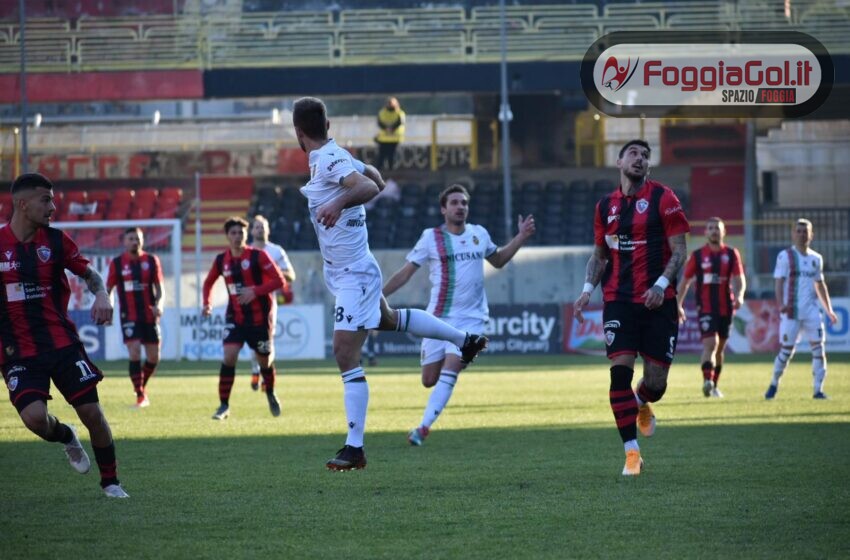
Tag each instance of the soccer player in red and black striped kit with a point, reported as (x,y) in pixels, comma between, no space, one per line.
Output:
(38,341)
(720,289)
(251,278)
(137,275)
(639,237)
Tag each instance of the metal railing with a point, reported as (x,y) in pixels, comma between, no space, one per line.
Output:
(376,37)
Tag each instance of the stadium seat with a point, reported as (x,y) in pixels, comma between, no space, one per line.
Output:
(172,193)
(75,196)
(123,198)
(117,214)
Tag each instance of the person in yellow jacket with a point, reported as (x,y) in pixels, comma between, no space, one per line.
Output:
(390,132)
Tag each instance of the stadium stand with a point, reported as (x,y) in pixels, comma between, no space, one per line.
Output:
(413,35)
(564,211)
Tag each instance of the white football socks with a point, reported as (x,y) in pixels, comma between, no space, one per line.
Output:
(818,367)
(356,397)
(421,323)
(440,395)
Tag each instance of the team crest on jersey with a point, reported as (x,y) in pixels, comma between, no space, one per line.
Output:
(475,240)
(609,337)
(245,265)
(724,258)
(43,253)
(145,265)
(642,205)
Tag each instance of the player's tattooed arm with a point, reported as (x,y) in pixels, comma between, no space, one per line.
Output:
(94,281)
(596,265)
(101,309)
(679,250)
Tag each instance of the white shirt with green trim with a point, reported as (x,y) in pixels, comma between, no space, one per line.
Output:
(456,270)
(800,273)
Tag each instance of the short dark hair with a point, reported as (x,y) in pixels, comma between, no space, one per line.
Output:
(311,116)
(132,229)
(635,142)
(451,189)
(235,221)
(29,181)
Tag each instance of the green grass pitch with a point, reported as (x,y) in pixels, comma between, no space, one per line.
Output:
(524,463)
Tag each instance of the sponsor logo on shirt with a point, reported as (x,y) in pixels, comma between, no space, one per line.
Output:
(623,242)
(355,222)
(10,265)
(673,210)
(460,257)
(335,162)
(24,291)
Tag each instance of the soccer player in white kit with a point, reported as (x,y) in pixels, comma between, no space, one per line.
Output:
(338,187)
(260,235)
(455,253)
(799,287)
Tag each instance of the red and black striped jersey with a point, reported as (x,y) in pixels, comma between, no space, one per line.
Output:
(134,278)
(35,293)
(251,269)
(712,270)
(635,230)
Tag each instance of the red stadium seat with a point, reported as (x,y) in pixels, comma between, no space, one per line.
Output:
(146,196)
(166,208)
(75,196)
(117,213)
(172,193)
(123,197)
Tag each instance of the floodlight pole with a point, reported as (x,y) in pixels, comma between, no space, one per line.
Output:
(23,76)
(505,117)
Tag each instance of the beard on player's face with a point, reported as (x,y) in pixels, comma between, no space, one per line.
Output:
(634,175)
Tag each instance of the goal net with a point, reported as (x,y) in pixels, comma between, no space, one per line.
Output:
(101,241)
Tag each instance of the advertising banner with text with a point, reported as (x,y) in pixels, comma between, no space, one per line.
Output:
(300,334)
(754,329)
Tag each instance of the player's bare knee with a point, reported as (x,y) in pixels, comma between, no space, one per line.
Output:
(389,317)
(655,376)
(36,421)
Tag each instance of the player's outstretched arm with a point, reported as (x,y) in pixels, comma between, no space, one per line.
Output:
(503,255)
(400,278)
(101,309)
(595,267)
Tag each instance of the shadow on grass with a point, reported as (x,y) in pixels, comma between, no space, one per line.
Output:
(744,490)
